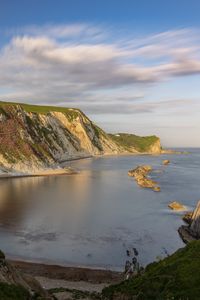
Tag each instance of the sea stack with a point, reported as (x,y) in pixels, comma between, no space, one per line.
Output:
(191,232)
(195,225)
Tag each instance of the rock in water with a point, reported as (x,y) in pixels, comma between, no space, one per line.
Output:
(140,174)
(177,206)
(166,162)
(156,189)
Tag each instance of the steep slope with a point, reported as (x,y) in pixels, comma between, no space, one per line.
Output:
(175,277)
(18,286)
(34,137)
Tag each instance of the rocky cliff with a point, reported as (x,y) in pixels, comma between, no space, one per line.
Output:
(34,137)
(17,285)
(192,231)
(195,224)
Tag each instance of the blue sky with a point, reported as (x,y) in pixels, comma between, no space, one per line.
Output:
(130,65)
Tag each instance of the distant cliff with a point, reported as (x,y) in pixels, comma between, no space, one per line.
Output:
(34,137)
(134,143)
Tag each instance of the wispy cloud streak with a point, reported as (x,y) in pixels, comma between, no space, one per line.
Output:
(71,63)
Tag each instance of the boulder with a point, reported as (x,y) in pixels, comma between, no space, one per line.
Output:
(2,255)
(166,162)
(177,206)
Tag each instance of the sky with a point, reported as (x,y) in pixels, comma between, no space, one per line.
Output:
(131,66)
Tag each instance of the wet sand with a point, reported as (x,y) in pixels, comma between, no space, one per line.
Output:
(72,274)
(46,172)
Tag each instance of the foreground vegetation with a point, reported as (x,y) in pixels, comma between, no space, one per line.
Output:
(176,277)
(11,291)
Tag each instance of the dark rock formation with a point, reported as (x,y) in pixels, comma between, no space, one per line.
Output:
(187,217)
(192,231)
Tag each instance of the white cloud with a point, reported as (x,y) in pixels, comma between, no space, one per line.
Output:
(52,64)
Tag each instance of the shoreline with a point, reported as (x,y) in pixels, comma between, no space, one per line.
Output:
(43,173)
(68,171)
(67,273)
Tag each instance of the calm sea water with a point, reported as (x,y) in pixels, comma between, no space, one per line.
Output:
(92,218)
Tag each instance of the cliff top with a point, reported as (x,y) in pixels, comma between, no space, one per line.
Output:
(126,140)
(41,109)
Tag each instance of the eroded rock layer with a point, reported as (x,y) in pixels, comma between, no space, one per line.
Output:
(34,137)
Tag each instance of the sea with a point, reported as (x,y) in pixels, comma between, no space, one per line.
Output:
(90,219)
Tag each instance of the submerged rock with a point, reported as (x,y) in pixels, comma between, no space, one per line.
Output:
(156,189)
(166,162)
(140,174)
(177,206)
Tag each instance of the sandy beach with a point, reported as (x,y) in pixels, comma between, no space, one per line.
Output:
(73,274)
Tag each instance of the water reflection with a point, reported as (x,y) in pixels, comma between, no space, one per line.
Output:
(16,197)
(91,218)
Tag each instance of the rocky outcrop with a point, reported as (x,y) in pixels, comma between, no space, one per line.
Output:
(187,217)
(166,162)
(177,206)
(195,224)
(13,281)
(192,231)
(140,174)
(36,137)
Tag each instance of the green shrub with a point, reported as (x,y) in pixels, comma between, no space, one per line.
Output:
(176,277)
(13,292)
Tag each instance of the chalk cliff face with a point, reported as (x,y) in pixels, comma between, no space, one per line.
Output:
(34,137)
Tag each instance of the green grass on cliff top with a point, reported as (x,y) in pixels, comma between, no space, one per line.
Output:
(127,141)
(42,109)
(176,277)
